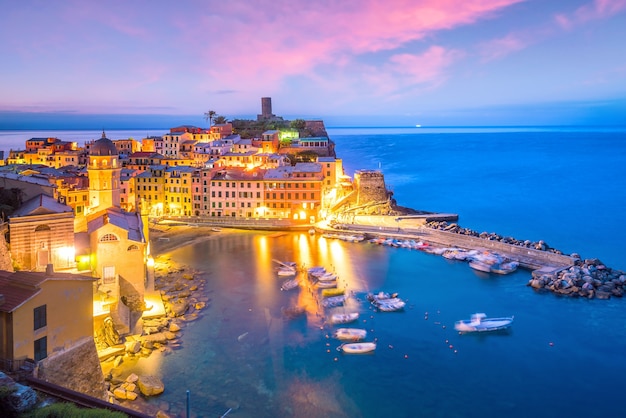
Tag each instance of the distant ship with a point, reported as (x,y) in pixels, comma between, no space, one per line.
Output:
(418,126)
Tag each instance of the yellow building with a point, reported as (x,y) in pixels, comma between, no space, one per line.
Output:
(178,190)
(41,313)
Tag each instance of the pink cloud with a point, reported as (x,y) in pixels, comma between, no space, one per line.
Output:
(428,67)
(280,39)
(597,10)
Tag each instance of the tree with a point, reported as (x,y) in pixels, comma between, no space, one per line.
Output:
(298,124)
(218,119)
(209,115)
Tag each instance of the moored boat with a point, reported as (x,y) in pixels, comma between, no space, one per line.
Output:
(333,301)
(290,284)
(480,323)
(505,267)
(350,334)
(357,348)
(344,318)
(326,293)
(390,305)
(326,285)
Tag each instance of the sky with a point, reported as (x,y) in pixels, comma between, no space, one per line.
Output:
(350,62)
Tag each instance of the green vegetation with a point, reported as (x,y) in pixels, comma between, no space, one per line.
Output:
(253,129)
(68,410)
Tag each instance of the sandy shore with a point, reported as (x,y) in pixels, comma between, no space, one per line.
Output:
(166,238)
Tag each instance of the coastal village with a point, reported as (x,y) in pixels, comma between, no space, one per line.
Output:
(83,226)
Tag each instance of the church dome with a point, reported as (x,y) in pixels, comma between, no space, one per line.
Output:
(103,147)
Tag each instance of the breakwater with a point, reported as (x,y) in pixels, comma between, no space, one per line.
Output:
(567,275)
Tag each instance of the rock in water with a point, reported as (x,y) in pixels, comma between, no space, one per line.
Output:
(150,385)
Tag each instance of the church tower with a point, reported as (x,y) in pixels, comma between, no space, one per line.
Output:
(104,172)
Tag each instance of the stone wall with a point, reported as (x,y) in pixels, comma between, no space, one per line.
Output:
(370,187)
(5,256)
(77,368)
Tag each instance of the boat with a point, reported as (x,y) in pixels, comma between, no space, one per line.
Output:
(357,348)
(290,284)
(480,266)
(215,229)
(505,267)
(326,285)
(344,318)
(326,277)
(380,296)
(480,323)
(286,271)
(333,301)
(389,305)
(350,334)
(326,293)
(293,312)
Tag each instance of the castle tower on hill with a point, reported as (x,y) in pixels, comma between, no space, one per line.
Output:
(266,109)
(104,172)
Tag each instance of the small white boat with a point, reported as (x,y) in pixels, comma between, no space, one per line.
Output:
(357,348)
(290,284)
(480,323)
(286,271)
(326,285)
(390,305)
(327,277)
(333,301)
(350,334)
(505,268)
(480,266)
(344,318)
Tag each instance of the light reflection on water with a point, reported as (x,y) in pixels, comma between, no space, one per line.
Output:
(242,354)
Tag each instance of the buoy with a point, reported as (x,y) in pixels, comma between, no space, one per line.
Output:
(551,344)
(390,346)
(406,356)
(443,326)
(328,351)
(447,341)
(451,346)
(455,351)
(336,359)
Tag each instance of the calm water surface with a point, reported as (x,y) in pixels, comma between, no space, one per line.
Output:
(242,353)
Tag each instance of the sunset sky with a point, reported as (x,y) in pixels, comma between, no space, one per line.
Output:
(429,62)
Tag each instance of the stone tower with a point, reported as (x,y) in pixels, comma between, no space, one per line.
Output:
(266,109)
(104,172)
(370,187)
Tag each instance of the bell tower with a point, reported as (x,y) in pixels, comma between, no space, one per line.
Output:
(104,171)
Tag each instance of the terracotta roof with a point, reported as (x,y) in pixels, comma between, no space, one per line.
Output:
(20,286)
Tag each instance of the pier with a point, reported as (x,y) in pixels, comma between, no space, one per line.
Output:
(412,227)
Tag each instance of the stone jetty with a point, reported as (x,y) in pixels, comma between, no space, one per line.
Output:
(589,278)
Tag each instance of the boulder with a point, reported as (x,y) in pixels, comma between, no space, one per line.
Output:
(150,385)
(133,347)
(119,393)
(132,378)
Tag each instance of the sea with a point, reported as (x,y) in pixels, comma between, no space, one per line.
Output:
(561,357)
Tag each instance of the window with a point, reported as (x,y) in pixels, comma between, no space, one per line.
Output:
(40,319)
(108,274)
(41,348)
(108,238)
